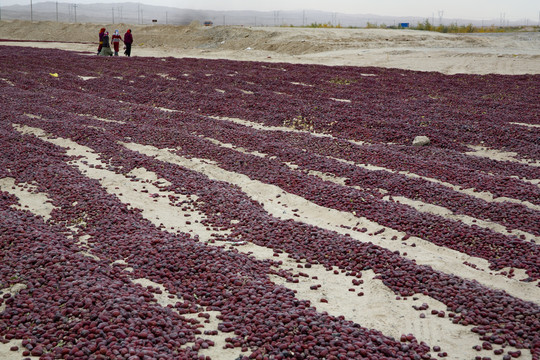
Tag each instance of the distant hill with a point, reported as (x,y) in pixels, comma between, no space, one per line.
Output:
(137,13)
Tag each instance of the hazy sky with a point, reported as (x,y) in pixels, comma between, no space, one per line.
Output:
(467,9)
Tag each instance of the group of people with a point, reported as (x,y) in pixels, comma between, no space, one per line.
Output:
(104,48)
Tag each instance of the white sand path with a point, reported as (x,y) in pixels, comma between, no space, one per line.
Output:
(495,154)
(29,197)
(525,124)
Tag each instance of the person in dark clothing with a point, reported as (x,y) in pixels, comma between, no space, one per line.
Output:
(101,33)
(128,40)
(106,48)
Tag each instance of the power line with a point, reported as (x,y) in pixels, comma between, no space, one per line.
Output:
(75,6)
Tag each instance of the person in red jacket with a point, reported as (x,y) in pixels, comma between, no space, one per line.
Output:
(101,33)
(116,38)
(128,40)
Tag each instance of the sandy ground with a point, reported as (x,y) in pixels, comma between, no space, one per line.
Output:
(516,53)
(506,53)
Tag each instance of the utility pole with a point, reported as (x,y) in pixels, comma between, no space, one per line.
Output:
(441,13)
(113,15)
(31,12)
(75,11)
(57,11)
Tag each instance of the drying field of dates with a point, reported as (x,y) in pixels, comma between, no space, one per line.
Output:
(165,208)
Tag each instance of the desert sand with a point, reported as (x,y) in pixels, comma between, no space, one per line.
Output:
(500,53)
(515,53)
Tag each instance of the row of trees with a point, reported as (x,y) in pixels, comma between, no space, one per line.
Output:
(427,26)
(455,28)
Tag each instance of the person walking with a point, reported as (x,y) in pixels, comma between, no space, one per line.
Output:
(106,48)
(116,38)
(101,33)
(128,40)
